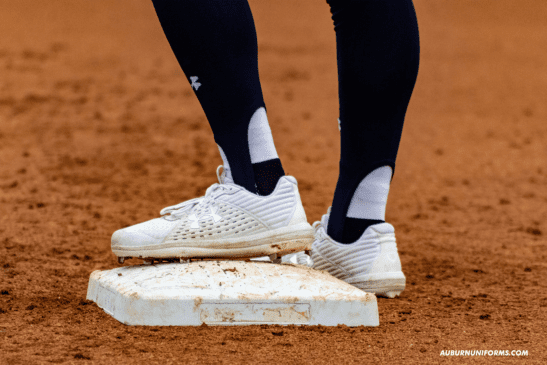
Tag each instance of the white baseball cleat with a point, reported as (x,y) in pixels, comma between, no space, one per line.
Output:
(229,222)
(371,263)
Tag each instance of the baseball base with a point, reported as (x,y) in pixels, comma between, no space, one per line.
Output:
(229,293)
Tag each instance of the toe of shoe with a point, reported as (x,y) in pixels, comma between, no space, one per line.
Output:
(143,234)
(131,239)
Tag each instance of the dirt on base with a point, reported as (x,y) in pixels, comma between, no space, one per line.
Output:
(99,129)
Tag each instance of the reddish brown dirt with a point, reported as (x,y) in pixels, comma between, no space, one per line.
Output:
(100,130)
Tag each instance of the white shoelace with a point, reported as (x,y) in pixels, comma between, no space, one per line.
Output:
(177,211)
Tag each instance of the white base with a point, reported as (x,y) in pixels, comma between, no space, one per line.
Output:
(229,293)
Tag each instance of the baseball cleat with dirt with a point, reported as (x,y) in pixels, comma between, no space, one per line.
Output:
(228,222)
(371,263)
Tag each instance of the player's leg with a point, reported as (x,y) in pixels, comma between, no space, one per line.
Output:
(255,210)
(215,44)
(378,56)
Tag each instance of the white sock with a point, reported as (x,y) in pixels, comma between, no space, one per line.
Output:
(370,198)
(261,144)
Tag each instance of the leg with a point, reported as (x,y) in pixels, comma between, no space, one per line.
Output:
(215,44)
(378,55)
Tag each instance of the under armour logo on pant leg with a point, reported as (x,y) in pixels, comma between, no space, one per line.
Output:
(195,83)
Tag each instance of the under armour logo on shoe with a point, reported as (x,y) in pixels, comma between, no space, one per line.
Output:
(195,83)
(213,214)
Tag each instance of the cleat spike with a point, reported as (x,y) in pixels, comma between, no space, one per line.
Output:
(184,261)
(390,294)
(121,260)
(148,261)
(276,259)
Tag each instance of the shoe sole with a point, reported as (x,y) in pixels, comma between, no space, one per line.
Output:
(281,242)
(389,285)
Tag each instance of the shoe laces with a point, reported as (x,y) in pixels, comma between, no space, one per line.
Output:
(177,211)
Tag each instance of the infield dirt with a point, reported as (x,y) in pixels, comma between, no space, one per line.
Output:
(99,129)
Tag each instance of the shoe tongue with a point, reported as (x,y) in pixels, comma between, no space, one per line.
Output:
(325,221)
(227,180)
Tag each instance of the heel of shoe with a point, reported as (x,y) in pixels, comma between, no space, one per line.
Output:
(298,215)
(385,278)
(389,284)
